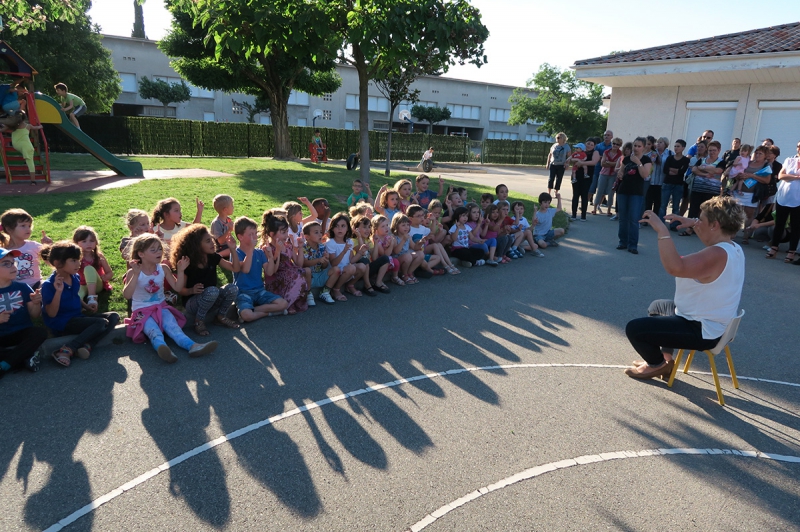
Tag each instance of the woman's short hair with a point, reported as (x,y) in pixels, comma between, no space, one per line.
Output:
(715,143)
(562,134)
(726,211)
(665,140)
(776,151)
(762,149)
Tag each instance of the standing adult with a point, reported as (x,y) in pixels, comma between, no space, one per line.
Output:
(754,173)
(787,206)
(708,290)
(702,151)
(583,179)
(706,183)
(674,172)
(707,136)
(601,147)
(605,184)
(652,201)
(730,156)
(555,162)
(633,171)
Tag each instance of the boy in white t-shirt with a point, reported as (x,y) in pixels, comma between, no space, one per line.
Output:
(543,232)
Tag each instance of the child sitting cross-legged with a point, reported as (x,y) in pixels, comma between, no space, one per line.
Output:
(543,231)
(222,225)
(377,265)
(525,232)
(361,209)
(151,317)
(201,295)
(95,273)
(253,301)
(401,226)
(475,223)
(167,217)
(294,215)
(316,264)
(138,223)
(462,237)
(289,279)
(340,256)
(421,233)
(384,244)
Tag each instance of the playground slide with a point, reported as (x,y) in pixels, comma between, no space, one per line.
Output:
(50,112)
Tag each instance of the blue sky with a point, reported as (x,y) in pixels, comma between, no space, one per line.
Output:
(527,33)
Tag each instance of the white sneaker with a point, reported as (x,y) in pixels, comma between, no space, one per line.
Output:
(199,350)
(480,262)
(327,298)
(538,253)
(310,300)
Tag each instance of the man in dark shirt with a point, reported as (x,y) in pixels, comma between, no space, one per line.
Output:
(674,171)
(730,156)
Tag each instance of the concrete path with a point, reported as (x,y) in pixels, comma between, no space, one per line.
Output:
(504,408)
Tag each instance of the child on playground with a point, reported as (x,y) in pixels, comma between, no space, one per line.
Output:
(403,189)
(138,222)
(387,202)
(543,232)
(200,293)
(16,227)
(253,301)
(420,233)
(525,233)
(167,217)
(424,195)
(402,250)
(289,279)
(72,105)
(384,244)
(339,253)
(18,304)
(21,140)
(63,306)
(94,269)
(294,215)
(462,237)
(151,317)
(739,166)
(377,266)
(316,265)
(222,224)
(359,194)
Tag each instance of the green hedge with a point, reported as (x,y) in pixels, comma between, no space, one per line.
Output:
(515,152)
(160,136)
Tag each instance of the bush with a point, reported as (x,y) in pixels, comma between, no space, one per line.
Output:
(515,152)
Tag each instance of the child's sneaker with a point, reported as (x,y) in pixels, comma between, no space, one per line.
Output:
(310,300)
(33,363)
(199,350)
(552,243)
(491,262)
(537,253)
(480,262)
(326,297)
(166,354)
(466,264)
(84,351)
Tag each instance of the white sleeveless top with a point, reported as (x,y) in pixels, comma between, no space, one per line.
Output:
(149,289)
(716,303)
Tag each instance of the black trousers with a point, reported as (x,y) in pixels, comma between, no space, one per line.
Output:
(556,175)
(470,255)
(22,344)
(653,199)
(89,329)
(580,190)
(649,336)
(695,200)
(781,215)
(377,264)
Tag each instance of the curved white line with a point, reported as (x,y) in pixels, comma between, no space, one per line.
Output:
(74,516)
(583,460)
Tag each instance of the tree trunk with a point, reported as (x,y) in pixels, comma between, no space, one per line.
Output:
(165,110)
(279,109)
(363,111)
(387,172)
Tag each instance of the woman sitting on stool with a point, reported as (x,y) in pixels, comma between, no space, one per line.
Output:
(708,288)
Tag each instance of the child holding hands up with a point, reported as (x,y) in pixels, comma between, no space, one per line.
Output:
(167,217)
(289,279)
(316,264)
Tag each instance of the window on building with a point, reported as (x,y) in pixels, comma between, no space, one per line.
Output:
(129,82)
(209,117)
(499,115)
(327,114)
(266,120)
(349,125)
(302,122)
(536,137)
(374,103)
(469,112)
(351,101)
(298,98)
(327,97)
(716,116)
(237,110)
(380,125)
(405,106)
(503,135)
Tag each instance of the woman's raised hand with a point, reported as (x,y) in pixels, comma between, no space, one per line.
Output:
(683,223)
(655,222)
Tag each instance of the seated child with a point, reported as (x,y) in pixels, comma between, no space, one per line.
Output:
(510,230)
(433,222)
(362,209)
(403,189)
(316,265)
(463,193)
(95,269)
(492,229)
(402,250)
(16,227)
(377,266)
(421,234)
(387,203)
(524,231)
(138,223)
(502,193)
(222,224)
(462,238)
(486,199)
(289,279)
(543,232)
(424,195)
(18,304)
(323,210)
(384,244)
(339,250)
(294,215)
(358,194)
(167,218)
(475,223)
(451,203)
(62,305)
(151,317)
(200,293)
(253,301)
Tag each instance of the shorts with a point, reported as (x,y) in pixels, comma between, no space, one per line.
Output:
(319,279)
(80,110)
(249,299)
(547,237)
(394,265)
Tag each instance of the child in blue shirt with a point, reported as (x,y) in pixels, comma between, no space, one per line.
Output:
(543,232)
(253,301)
(63,305)
(359,194)
(18,303)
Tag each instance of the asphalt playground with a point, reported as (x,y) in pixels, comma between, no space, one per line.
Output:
(491,400)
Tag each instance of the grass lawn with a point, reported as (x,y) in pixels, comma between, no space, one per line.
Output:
(257,185)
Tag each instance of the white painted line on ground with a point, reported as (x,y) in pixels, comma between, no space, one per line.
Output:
(103,499)
(583,460)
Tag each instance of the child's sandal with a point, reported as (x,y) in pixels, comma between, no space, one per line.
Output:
(398,281)
(337,294)
(353,290)
(227,322)
(368,290)
(63,355)
(789,257)
(200,328)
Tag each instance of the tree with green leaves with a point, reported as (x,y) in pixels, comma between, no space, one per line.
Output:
(268,47)
(259,107)
(423,36)
(396,87)
(71,52)
(432,115)
(164,92)
(19,17)
(562,103)
(138,20)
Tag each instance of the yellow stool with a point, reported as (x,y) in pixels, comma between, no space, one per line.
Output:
(722,345)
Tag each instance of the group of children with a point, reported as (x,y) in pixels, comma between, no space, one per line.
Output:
(274,267)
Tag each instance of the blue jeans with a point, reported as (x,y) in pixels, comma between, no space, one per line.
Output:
(629,208)
(674,192)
